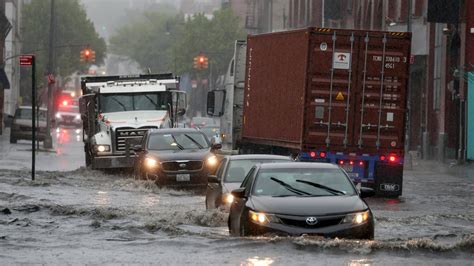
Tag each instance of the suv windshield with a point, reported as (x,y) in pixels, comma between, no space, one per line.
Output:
(26,114)
(302,182)
(177,141)
(238,169)
(134,101)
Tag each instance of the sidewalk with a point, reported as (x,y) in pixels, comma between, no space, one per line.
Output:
(450,167)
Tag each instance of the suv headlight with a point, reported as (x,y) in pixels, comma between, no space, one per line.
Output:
(211,160)
(151,163)
(263,218)
(357,218)
(102,148)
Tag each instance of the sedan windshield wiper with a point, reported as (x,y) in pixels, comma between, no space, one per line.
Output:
(331,190)
(289,187)
(177,144)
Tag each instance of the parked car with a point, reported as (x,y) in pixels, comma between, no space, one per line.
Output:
(200,122)
(300,198)
(230,174)
(21,125)
(175,157)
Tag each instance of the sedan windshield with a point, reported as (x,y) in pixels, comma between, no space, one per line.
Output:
(302,182)
(177,141)
(134,101)
(238,169)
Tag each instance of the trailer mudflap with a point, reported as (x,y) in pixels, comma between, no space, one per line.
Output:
(388,180)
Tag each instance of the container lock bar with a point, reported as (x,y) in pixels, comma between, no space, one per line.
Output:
(345,142)
(366,39)
(328,140)
(382,81)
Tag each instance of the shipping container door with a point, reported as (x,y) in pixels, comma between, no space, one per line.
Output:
(381,93)
(330,89)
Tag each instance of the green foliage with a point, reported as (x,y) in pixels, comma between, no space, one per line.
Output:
(164,43)
(74,31)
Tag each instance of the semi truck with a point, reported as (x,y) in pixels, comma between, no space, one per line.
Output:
(117,111)
(325,95)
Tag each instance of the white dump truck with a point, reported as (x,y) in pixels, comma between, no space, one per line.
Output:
(117,111)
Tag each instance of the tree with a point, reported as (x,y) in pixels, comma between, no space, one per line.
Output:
(74,31)
(169,43)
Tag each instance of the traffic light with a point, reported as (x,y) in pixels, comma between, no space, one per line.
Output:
(87,55)
(201,62)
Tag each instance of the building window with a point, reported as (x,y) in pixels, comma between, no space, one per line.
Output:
(437,66)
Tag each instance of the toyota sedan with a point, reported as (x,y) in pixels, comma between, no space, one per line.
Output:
(300,198)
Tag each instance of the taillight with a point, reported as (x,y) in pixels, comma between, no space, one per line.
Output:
(382,158)
(361,163)
(392,158)
(312,154)
(341,162)
(351,162)
(322,154)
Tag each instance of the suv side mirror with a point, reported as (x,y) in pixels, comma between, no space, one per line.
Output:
(212,179)
(239,193)
(137,148)
(216,146)
(366,192)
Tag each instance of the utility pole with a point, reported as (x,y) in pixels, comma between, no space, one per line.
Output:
(48,142)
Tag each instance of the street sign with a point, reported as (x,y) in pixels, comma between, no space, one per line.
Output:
(26,60)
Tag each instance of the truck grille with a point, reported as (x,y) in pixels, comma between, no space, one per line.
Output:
(181,166)
(132,135)
(302,223)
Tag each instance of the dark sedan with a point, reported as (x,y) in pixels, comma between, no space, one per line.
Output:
(300,198)
(230,174)
(176,157)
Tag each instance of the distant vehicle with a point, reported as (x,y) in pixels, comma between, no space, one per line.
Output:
(175,157)
(21,125)
(68,112)
(300,198)
(230,174)
(200,122)
(213,133)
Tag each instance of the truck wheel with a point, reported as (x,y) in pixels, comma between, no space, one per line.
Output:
(12,139)
(88,159)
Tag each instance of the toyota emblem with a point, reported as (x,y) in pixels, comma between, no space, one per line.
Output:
(311,220)
(182,165)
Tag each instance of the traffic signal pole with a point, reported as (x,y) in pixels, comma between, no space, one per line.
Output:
(48,141)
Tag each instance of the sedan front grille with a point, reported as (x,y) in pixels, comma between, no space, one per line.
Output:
(182,166)
(322,222)
(132,135)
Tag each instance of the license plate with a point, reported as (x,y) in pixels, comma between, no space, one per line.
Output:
(183,177)
(347,167)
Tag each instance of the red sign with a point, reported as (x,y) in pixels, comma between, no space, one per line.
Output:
(26,60)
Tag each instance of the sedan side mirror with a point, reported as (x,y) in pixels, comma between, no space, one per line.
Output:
(212,179)
(239,193)
(366,192)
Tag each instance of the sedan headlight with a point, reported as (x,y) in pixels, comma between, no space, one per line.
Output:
(78,116)
(58,115)
(357,218)
(151,163)
(263,218)
(102,148)
(212,160)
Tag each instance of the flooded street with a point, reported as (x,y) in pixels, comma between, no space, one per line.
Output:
(86,216)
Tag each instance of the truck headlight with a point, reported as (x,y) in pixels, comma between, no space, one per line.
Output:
(102,148)
(151,163)
(58,115)
(212,160)
(357,218)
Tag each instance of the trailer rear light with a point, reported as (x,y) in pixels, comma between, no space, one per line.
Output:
(341,162)
(322,154)
(351,162)
(382,158)
(361,163)
(312,154)
(392,158)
